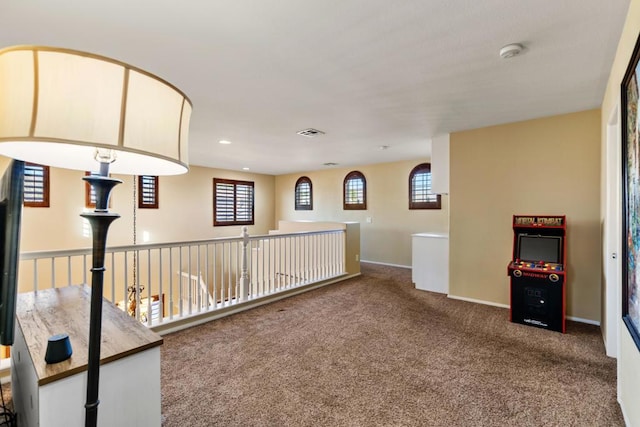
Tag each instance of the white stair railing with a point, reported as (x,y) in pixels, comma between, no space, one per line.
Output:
(194,293)
(184,279)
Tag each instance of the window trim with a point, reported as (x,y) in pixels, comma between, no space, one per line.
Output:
(44,203)
(156,184)
(421,168)
(299,206)
(354,206)
(235,183)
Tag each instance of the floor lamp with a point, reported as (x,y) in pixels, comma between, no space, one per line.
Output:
(71,109)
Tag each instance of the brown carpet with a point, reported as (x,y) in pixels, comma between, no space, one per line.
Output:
(374,351)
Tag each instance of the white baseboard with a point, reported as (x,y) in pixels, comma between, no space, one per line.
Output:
(386,263)
(581,320)
(478,301)
(495,304)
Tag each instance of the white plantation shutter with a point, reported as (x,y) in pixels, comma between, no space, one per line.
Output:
(224,202)
(233,202)
(244,203)
(36,185)
(148,191)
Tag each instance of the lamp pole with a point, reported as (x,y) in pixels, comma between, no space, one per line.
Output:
(100,220)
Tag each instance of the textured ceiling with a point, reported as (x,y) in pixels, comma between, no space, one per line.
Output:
(368,73)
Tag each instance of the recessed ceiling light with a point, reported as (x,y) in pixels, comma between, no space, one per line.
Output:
(224,141)
(245,168)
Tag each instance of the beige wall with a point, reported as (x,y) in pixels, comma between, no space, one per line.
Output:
(629,354)
(387,238)
(544,166)
(185,213)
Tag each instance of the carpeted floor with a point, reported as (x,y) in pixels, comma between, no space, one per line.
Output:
(374,351)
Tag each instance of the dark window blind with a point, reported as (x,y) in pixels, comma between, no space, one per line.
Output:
(303,194)
(420,195)
(233,202)
(148,192)
(36,185)
(355,191)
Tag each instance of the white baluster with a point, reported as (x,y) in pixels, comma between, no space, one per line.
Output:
(244,277)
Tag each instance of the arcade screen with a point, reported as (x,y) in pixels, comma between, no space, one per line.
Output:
(540,248)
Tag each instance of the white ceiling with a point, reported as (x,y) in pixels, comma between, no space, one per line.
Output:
(367,72)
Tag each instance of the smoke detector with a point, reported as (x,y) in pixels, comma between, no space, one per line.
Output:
(511,50)
(310,132)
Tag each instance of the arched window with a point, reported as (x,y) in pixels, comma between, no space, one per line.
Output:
(304,194)
(355,191)
(420,195)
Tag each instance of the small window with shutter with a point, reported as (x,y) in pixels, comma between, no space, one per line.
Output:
(233,202)
(420,195)
(303,194)
(355,191)
(36,185)
(148,192)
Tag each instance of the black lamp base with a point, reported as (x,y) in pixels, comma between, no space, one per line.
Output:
(100,221)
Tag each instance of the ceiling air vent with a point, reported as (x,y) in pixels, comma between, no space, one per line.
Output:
(310,132)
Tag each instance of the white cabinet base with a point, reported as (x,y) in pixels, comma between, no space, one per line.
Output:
(54,395)
(430,262)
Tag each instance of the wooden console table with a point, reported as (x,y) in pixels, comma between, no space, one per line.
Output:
(54,395)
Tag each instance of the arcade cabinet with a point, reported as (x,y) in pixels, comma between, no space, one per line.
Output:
(537,271)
